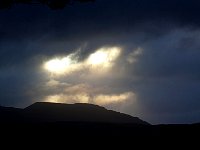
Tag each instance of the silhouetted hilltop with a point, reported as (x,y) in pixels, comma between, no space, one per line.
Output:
(57,112)
(10,114)
(86,121)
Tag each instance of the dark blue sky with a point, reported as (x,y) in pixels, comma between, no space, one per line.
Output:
(156,76)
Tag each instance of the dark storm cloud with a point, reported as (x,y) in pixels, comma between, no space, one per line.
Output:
(165,76)
(101,15)
(174,54)
(53,4)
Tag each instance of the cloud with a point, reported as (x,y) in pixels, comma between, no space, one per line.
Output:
(109,99)
(154,75)
(160,73)
(51,4)
(83,93)
(98,62)
(85,98)
(62,98)
(53,83)
(133,56)
(38,31)
(167,55)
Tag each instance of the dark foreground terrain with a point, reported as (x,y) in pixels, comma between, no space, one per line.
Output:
(86,122)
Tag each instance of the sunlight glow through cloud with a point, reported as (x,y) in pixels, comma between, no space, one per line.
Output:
(99,99)
(68,98)
(102,58)
(114,98)
(99,62)
(57,65)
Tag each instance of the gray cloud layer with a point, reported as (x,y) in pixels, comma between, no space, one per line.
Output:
(164,76)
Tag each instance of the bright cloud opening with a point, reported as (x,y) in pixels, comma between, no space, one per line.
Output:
(96,64)
(103,59)
(99,99)
(68,98)
(97,58)
(115,98)
(57,65)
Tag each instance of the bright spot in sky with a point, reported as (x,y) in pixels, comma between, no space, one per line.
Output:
(98,57)
(102,59)
(57,65)
(109,99)
(99,99)
(96,64)
(104,56)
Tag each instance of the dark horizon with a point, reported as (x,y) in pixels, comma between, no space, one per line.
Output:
(76,113)
(138,57)
(52,108)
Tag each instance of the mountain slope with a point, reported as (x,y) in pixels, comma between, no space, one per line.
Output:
(54,112)
(10,114)
(86,121)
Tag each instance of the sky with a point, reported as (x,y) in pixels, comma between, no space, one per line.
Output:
(140,57)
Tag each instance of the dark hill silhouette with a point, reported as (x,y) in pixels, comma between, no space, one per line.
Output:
(57,112)
(53,121)
(10,114)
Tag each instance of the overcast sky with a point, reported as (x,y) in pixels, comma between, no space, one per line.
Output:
(140,57)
